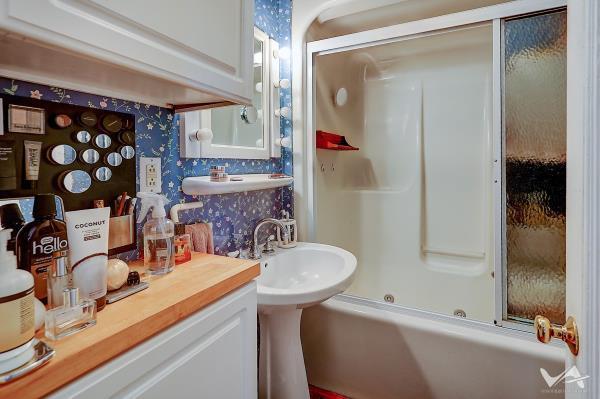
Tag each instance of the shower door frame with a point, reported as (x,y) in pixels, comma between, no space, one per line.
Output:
(413,30)
(583,136)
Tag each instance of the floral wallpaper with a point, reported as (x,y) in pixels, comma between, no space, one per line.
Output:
(157,135)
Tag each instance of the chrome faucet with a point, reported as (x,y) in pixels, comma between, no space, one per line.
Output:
(255,252)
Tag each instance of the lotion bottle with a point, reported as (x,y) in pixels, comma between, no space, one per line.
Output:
(16,309)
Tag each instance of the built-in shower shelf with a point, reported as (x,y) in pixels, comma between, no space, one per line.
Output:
(333,142)
(201,185)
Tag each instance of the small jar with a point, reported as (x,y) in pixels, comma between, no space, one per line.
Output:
(183,244)
(218,174)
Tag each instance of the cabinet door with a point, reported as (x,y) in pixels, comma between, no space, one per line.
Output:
(211,354)
(205,45)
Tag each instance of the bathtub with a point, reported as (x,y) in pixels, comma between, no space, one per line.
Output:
(367,349)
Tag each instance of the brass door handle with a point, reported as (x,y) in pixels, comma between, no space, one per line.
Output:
(568,333)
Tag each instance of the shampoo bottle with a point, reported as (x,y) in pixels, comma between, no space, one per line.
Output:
(16,310)
(159,234)
(38,240)
(11,218)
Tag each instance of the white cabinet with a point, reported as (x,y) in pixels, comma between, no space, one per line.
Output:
(211,354)
(188,51)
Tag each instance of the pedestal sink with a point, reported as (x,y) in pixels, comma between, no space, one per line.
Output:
(290,280)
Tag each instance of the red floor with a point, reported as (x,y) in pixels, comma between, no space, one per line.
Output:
(318,393)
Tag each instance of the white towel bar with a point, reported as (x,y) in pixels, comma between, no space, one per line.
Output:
(175,209)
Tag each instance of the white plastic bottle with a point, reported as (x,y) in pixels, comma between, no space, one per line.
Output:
(159,234)
(16,310)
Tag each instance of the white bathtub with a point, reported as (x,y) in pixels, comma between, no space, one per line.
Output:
(366,349)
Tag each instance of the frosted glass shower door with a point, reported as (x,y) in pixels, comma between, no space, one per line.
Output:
(535,58)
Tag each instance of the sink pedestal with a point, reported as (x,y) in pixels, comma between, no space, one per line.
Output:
(281,363)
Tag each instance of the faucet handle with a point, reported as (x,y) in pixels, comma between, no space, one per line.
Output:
(269,245)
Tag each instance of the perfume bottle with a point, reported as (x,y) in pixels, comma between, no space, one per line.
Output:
(183,244)
(73,316)
(59,279)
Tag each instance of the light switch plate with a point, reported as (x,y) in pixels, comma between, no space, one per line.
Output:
(150,175)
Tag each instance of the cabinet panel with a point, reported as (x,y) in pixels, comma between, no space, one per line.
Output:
(211,354)
(187,24)
(205,46)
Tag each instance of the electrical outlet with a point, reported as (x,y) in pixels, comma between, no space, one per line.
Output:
(150,175)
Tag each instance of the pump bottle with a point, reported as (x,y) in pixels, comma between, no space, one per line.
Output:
(159,234)
(16,310)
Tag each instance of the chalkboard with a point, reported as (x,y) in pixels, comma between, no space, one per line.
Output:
(123,176)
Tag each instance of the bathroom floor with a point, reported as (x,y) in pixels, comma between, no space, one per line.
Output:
(318,393)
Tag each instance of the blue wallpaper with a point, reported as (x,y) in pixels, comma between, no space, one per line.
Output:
(157,135)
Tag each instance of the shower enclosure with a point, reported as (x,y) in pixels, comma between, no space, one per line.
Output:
(455,201)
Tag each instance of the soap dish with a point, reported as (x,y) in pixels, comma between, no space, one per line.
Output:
(42,354)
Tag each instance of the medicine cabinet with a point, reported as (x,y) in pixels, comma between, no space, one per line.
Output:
(241,131)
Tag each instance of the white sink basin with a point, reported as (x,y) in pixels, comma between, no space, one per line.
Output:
(304,275)
(291,280)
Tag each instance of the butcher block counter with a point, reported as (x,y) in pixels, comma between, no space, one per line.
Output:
(130,322)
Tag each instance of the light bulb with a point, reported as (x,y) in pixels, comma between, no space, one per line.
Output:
(284,112)
(284,142)
(283,83)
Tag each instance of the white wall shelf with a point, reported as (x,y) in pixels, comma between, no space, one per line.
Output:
(201,185)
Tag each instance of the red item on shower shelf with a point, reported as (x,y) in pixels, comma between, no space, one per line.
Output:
(318,393)
(332,141)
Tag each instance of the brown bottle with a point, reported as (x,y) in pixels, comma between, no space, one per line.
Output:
(38,240)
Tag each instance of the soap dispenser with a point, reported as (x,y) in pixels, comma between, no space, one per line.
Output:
(16,309)
(159,234)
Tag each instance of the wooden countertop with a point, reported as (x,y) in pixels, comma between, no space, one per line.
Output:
(130,321)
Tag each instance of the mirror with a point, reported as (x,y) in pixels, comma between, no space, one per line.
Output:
(62,154)
(83,136)
(75,181)
(249,131)
(102,174)
(127,152)
(244,126)
(89,156)
(102,141)
(249,114)
(113,159)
